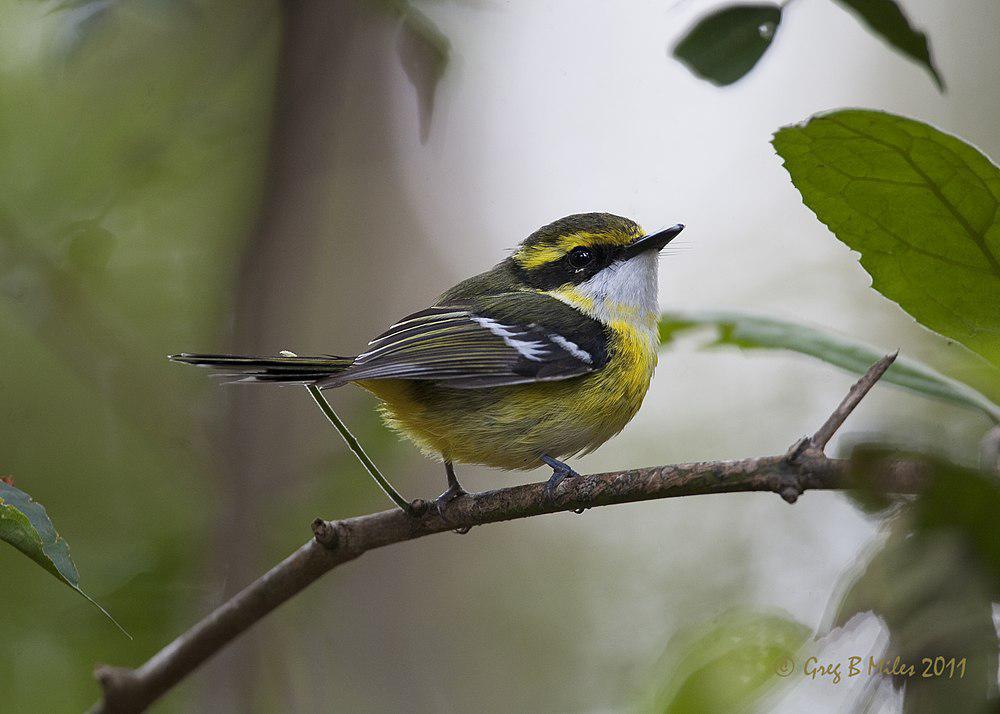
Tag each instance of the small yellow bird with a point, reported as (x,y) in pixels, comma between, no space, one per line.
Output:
(547,355)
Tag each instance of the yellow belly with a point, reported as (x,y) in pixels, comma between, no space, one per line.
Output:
(509,427)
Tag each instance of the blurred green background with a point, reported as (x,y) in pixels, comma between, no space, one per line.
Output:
(213,176)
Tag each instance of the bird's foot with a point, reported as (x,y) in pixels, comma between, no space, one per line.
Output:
(454,491)
(560,471)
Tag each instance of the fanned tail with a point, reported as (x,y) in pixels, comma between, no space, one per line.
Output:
(287,368)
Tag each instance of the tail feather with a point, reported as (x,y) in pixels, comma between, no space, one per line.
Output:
(290,369)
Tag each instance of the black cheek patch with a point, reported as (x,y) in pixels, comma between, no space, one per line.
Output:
(560,272)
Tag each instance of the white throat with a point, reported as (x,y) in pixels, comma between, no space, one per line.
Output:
(625,290)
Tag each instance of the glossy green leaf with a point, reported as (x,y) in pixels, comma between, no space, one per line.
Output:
(886,18)
(919,205)
(753,332)
(727,664)
(25,525)
(724,45)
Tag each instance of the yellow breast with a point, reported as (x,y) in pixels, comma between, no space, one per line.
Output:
(632,353)
(633,358)
(508,427)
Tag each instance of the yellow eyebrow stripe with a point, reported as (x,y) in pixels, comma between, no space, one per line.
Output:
(535,256)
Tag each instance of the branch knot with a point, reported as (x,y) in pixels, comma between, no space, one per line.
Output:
(326,533)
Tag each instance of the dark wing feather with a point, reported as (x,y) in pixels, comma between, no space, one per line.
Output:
(497,340)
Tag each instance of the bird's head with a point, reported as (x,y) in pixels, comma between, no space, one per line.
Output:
(598,262)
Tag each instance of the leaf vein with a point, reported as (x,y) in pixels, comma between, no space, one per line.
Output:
(978,238)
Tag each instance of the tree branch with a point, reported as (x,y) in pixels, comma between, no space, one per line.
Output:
(802,468)
(823,435)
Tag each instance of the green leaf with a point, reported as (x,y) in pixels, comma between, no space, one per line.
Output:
(727,664)
(26,526)
(753,332)
(724,45)
(886,18)
(918,204)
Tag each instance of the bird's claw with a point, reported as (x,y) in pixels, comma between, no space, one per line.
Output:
(560,471)
(442,501)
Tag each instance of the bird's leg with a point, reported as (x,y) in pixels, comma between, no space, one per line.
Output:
(559,472)
(454,489)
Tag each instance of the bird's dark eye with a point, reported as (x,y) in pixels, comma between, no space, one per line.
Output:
(581,257)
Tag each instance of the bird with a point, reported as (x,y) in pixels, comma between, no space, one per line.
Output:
(546,356)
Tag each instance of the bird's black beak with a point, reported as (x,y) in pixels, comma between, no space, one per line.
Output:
(656,241)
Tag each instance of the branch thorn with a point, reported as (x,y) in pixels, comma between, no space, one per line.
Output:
(853,398)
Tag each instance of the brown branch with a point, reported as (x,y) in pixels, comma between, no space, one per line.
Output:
(804,467)
(823,435)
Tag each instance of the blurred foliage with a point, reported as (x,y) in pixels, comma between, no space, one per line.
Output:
(918,204)
(424,52)
(933,583)
(132,148)
(965,502)
(25,525)
(93,252)
(755,332)
(728,663)
(886,19)
(726,44)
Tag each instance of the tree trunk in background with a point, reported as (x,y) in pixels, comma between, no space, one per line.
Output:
(331,213)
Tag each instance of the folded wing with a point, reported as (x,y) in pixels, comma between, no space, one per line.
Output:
(513,338)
